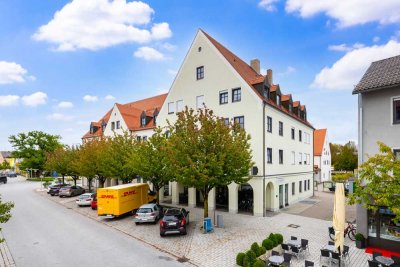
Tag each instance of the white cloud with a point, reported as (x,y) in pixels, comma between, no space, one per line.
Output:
(8,100)
(348,12)
(169,47)
(345,48)
(90,98)
(65,104)
(96,24)
(35,99)
(348,70)
(148,53)
(268,5)
(59,117)
(11,72)
(376,39)
(109,97)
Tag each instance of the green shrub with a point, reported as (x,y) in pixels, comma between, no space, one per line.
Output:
(259,263)
(268,244)
(273,239)
(250,258)
(254,247)
(360,237)
(261,251)
(239,258)
(279,238)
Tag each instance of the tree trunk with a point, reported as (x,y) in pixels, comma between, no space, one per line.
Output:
(205,196)
(89,184)
(157,189)
(63,178)
(75,178)
(101,182)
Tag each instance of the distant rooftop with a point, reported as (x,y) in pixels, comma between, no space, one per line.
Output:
(381,74)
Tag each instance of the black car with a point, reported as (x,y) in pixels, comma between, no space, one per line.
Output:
(53,190)
(175,220)
(3,179)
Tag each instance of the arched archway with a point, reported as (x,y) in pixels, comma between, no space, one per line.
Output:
(245,198)
(269,197)
(222,198)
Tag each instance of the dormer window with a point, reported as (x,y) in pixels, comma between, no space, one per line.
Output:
(143,121)
(155,120)
(266,92)
(290,107)
(278,100)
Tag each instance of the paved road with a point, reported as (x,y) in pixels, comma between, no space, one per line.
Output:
(43,233)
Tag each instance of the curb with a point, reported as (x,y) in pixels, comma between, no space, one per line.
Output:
(7,259)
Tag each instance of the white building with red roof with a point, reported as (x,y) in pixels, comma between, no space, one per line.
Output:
(322,156)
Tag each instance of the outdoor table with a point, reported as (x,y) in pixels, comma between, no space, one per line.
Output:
(294,243)
(276,259)
(331,248)
(384,260)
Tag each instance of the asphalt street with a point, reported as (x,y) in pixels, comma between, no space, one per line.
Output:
(43,233)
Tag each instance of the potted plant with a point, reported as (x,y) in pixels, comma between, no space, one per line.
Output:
(360,240)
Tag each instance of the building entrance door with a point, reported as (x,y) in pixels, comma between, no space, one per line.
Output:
(286,194)
(281,196)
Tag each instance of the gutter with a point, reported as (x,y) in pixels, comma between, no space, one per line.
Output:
(264,213)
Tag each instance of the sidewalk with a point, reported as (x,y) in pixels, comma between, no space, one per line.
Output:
(6,257)
(221,247)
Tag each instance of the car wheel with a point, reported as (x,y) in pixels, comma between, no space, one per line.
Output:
(137,223)
(184,232)
(162,235)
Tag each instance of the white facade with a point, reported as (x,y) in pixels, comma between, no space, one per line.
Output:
(275,185)
(323,162)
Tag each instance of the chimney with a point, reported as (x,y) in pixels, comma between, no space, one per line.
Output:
(255,65)
(269,76)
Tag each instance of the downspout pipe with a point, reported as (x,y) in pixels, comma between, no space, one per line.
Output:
(263,157)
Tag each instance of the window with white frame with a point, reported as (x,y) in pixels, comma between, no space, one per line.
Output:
(293,133)
(179,106)
(293,158)
(223,97)
(200,101)
(236,95)
(396,111)
(118,124)
(171,107)
(200,73)
(281,128)
(280,156)
(239,120)
(269,155)
(269,124)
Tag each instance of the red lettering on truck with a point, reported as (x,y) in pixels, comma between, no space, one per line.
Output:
(107,196)
(128,193)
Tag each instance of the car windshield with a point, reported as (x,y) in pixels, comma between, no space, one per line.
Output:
(172,217)
(144,210)
(84,196)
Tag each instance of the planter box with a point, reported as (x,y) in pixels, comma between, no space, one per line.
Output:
(361,243)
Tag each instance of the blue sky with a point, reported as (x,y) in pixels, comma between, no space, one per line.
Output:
(64,63)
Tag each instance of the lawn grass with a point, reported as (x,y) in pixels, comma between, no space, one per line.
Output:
(45,179)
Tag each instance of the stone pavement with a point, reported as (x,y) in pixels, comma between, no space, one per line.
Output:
(6,259)
(221,247)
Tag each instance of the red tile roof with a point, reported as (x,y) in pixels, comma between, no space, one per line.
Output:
(131,113)
(250,75)
(319,140)
(286,97)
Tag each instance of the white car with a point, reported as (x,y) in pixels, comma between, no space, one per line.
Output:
(148,213)
(85,199)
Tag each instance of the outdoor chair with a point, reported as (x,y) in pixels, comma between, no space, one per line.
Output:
(271,264)
(295,251)
(376,254)
(304,245)
(331,243)
(308,263)
(345,254)
(285,247)
(373,264)
(293,238)
(324,255)
(287,259)
(275,253)
(335,257)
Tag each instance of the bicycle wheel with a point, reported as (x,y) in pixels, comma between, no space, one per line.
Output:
(331,233)
(352,234)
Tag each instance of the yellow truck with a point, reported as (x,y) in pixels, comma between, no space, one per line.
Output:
(121,199)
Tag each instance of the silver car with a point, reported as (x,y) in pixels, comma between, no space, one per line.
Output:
(148,213)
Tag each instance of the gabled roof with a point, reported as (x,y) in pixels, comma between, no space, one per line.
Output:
(99,130)
(381,74)
(250,76)
(286,97)
(131,113)
(319,140)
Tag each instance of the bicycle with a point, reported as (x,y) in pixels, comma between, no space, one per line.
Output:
(350,231)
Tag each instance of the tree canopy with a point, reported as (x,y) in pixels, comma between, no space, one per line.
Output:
(344,157)
(205,153)
(378,183)
(5,212)
(32,147)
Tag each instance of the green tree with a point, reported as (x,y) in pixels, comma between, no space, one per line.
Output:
(344,158)
(32,147)
(84,163)
(5,165)
(378,183)
(205,153)
(150,161)
(60,160)
(5,212)
(117,159)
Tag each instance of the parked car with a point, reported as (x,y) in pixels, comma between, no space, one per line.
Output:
(70,191)
(93,204)
(148,213)
(54,188)
(12,174)
(85,199)
(175,220)
(3,179)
